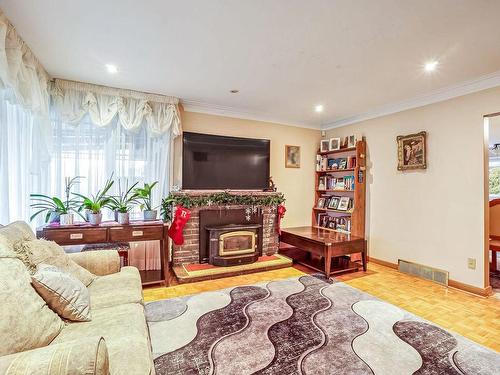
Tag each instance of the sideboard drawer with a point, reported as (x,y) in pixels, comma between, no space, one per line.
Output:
(136,233)
(76,236)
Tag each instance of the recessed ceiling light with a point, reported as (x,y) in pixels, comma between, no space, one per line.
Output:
(430,66)
(319,108)
(234,91)
(111,68)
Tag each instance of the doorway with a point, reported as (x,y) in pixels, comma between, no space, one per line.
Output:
(492,208)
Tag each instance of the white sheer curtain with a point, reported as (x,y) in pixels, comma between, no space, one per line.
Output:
(21,73)
(23,160)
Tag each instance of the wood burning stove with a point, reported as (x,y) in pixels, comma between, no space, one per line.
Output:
(234,244)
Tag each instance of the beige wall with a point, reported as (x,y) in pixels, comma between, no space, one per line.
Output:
(433,217)
(296,183)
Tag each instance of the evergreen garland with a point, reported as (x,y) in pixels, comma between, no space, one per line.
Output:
(217,199)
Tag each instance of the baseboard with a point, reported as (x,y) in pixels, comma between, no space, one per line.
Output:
(382,262)
(483,292)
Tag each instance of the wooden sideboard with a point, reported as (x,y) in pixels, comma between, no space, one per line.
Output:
(111,231)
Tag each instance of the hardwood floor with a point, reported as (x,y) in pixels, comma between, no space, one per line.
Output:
(474,317)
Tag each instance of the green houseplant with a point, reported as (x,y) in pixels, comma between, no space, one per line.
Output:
(95,203)
(123,203)
(55,209)
(167,208)
(144,194)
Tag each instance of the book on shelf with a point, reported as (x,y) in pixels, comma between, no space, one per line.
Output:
(324,163)
(336,183)
(339,223)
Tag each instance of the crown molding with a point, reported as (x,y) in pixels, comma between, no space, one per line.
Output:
(468,87)
(220,110)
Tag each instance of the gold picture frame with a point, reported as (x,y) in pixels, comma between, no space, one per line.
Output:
(292,156)
(412,151)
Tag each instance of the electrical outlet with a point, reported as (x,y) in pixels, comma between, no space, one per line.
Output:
(471,263)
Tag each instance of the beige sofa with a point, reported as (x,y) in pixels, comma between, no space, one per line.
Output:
(115,341)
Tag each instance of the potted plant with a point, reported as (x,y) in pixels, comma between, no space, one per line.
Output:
(167,208)
(95,203)
(54,208)
(122,203)
(144,195)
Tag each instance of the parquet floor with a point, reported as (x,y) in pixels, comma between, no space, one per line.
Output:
(474,317)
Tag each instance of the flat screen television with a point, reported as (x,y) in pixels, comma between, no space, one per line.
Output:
(219,162)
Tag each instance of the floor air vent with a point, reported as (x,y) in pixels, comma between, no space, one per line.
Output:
(424,272)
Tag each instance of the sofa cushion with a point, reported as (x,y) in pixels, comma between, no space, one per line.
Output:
(64,294)
(26,320)
(126,334)
(115,289)
(48,252)
(17,231)
(87,356)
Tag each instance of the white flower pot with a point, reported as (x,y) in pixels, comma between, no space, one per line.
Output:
(66,219)
(150,214)
(123,218)
(94,219)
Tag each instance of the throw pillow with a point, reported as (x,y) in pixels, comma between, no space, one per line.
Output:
(64,294)
(48,252)
(26,321)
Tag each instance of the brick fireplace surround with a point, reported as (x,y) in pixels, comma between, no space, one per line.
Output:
(189,252)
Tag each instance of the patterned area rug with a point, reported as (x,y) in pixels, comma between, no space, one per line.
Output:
(303,325)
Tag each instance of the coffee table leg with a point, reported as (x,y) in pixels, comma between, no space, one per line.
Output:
(328,262)
(363,257)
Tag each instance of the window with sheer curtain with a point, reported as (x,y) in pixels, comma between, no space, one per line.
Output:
(96,153)
(27,165)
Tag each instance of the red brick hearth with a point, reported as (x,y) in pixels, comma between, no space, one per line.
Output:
(189,252)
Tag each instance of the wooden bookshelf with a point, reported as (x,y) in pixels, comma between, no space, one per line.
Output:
(357,212)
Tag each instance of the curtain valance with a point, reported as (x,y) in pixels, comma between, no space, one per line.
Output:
(73,100)
(20,72)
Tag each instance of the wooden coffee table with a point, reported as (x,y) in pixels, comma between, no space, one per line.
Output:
(329,246)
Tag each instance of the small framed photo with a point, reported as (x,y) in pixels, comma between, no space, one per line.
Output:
(343,203)
(344,142)
(351,141)
(334,202)
(292,156)
(334,144)
(321,203)
(324,145)
(412,151)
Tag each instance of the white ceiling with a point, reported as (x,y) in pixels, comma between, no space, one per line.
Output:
(285,56)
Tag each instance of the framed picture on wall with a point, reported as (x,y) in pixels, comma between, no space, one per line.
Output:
(292,156)
(412,151)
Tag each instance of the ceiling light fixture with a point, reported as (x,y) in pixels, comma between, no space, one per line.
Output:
(111,68)
(234,91)
(430,66)
(319,108)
